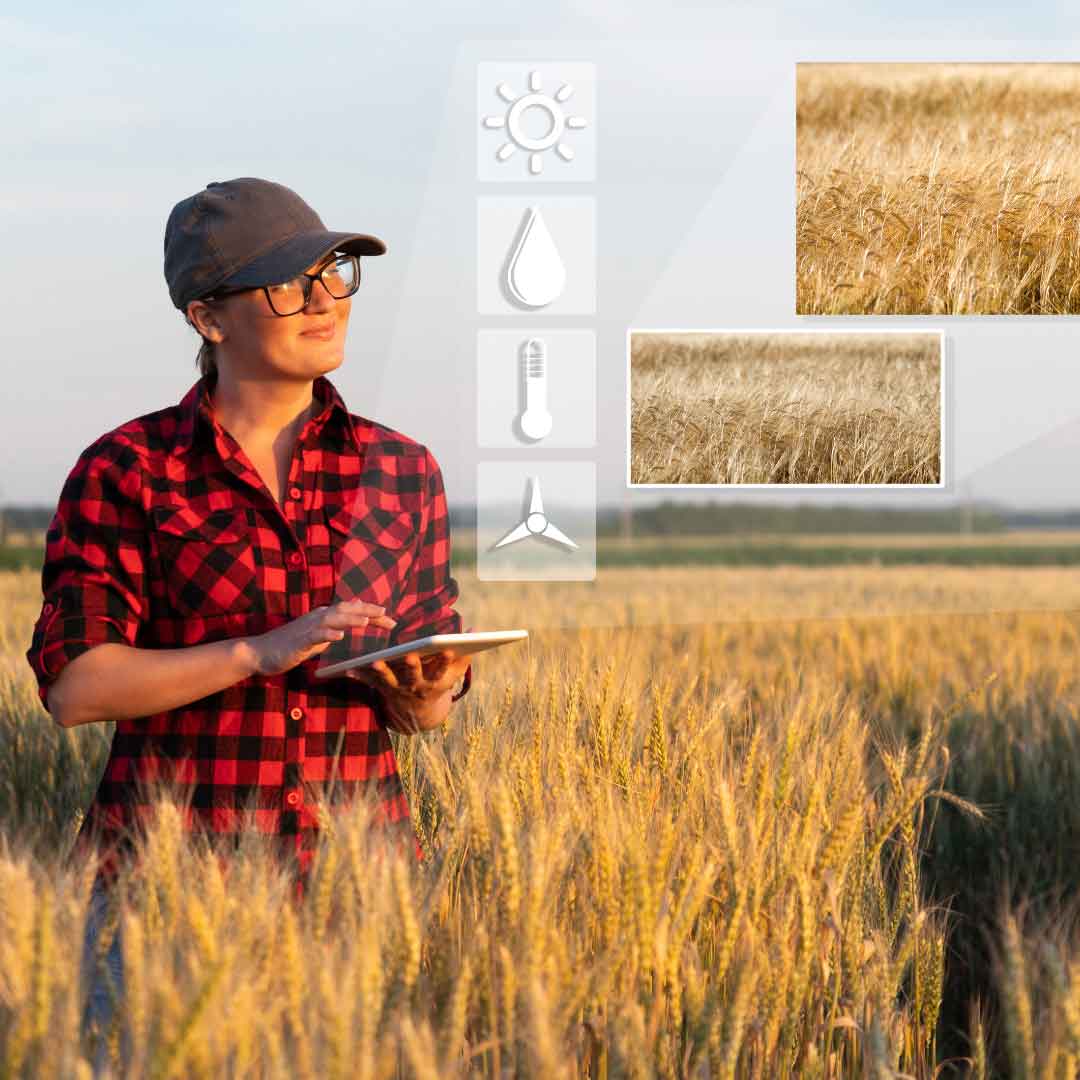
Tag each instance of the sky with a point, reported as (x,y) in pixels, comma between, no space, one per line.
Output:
(369,111)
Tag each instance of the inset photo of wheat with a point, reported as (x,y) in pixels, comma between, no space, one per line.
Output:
(937,188)
(785,407)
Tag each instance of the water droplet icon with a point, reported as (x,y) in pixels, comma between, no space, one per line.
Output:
(536,274)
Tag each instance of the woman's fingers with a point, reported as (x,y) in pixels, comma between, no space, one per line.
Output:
(357,610)
(448,667)
(411,671)
(360,607)
(342,616)
(416,674)
(434,664)
(384,669)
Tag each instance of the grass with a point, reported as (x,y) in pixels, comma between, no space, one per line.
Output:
(717,848)
(937,189)
(16,556)
(785,409)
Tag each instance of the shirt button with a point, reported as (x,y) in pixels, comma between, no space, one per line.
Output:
(295,558)
(292,798)
(295,493)
(296,712)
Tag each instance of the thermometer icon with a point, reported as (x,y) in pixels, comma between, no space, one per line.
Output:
(535,420)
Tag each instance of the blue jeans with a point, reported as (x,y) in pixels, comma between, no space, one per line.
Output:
(98,1012)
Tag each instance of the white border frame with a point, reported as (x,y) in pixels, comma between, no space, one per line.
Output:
(941,485)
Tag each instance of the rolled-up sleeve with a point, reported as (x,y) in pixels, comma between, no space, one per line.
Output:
(93,579)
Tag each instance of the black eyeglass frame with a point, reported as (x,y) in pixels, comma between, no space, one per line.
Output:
(307,287)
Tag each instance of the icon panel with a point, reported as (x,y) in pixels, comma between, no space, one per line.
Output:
(536,256)
(536,387)
(536,121)
(536,521)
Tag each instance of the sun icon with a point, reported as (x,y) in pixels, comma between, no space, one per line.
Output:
(514,122)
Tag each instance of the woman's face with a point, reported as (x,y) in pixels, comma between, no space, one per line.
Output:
(250,337)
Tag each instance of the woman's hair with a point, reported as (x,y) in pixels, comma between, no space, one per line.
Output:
(206,361)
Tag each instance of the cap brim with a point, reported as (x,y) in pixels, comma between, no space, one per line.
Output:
(298,253)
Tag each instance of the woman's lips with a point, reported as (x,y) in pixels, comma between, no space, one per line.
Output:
(324,333)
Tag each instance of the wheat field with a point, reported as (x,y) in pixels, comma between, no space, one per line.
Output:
(937,189)
(785,408)
(717,849)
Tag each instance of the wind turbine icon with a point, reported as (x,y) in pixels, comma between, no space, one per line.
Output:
(536,522)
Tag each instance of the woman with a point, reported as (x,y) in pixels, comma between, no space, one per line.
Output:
(204,556)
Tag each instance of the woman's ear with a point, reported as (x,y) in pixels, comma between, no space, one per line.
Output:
(200,317)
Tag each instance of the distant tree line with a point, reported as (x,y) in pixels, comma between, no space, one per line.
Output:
(672,518)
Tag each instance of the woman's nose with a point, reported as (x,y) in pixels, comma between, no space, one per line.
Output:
(320,300)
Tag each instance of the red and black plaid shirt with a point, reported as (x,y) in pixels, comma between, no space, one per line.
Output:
(165,537)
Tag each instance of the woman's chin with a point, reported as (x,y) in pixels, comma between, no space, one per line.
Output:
(328,359)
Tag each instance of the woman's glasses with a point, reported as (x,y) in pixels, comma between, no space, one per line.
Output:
(340,278)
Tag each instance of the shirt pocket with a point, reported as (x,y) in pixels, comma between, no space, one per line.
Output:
(370,552)
(207,561)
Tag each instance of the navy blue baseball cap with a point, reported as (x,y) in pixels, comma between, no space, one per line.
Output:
(245,233)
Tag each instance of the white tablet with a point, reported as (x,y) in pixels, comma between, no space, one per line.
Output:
(462,644)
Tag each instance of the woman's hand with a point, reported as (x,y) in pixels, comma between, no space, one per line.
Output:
(415,688)
(282,648)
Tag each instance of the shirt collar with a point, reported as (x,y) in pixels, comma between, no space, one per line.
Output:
(195,409)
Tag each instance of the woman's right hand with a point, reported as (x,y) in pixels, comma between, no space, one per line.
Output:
(282,648)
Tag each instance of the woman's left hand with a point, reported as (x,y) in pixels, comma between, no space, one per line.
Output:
(416,688)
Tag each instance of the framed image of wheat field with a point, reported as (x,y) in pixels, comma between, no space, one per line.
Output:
(761,408)
(937,188)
